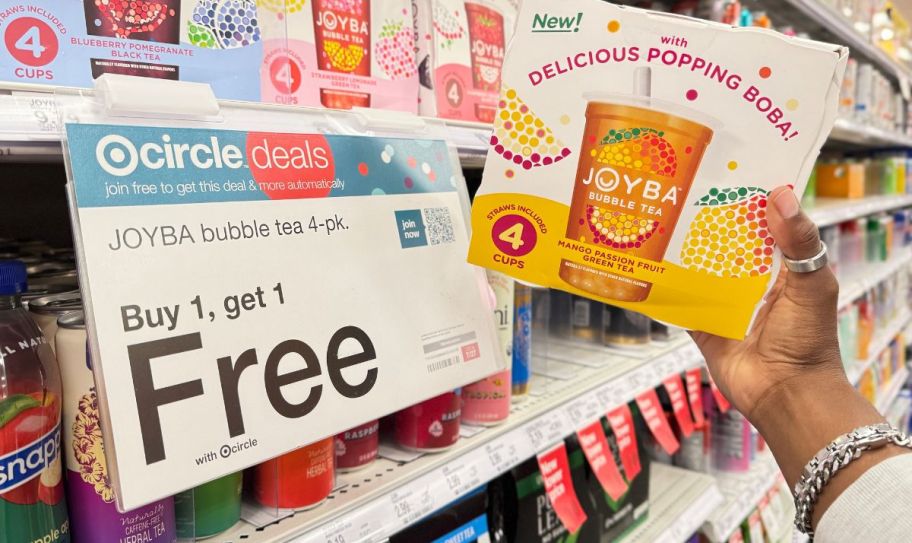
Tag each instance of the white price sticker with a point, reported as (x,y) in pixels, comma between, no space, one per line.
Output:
(546,430)
(411,503)
(461,478)
(585,409)
(503,454)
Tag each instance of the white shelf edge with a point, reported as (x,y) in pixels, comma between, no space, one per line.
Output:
(368,514)
(880,342)
(761,478)
(870,276)
(679,502)
(829,211)
(850,131)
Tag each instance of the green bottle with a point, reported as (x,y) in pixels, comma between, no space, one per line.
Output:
(209,509)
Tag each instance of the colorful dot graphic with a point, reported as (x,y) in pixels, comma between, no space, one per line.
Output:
(362,168)
(732,165)
(409,183)
(729,236)
(765,72)
(521,137)
(691,95)
(614,26)
(509,174)
(641,149)
(791,105)
(617,229)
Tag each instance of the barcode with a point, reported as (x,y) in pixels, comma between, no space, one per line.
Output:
(443,363)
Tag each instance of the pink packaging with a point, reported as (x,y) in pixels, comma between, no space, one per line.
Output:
(461,48)
(339,54)
(487,401)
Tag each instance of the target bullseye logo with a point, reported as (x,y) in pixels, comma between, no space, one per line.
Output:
(116,155)
(119,156)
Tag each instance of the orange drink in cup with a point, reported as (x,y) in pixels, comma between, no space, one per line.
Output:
(635,169)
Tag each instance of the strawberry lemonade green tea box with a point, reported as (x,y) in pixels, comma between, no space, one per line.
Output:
(633,153)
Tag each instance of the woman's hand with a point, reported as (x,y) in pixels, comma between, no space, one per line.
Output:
(786,377)
(793,342)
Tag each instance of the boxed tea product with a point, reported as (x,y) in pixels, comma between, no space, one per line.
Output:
(633,153)
(339,54)
(460,52)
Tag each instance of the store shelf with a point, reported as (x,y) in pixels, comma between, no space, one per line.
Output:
(679,502)
(881,341)
(381,500)
(848,131)
(868,276)
(827,211)
(843,31)
(742,492)
(887,397)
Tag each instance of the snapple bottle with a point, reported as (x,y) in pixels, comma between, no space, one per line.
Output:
(342,32)
(486,38)
(635,170)
(32,503)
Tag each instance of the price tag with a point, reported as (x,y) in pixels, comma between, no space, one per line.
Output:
(652,412)
(555,470)
(621,421)
(546,430)
(460,478)
(584,410)
(505,453)
(694,379)
(595,446)
(411,503)
(610,395)
(678,397)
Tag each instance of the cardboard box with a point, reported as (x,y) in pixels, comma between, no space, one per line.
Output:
(461,49)
(633,153)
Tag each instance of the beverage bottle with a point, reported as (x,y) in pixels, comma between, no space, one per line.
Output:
(32,503)
(343,41)
(91,498)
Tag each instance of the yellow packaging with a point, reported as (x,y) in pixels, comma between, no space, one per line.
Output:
(633,152)
(841,180)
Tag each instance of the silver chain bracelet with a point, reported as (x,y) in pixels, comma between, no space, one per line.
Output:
(841,452)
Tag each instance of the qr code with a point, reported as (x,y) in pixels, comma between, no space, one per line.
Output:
(439,225)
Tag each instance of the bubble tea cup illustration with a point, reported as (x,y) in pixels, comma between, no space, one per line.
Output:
(636,166)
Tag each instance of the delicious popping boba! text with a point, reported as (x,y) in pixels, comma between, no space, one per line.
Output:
(672,58)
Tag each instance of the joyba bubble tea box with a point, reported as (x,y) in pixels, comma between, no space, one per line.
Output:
(633,153)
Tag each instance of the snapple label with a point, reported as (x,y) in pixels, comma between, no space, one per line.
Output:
(32,503)
(94,514)
(635,170)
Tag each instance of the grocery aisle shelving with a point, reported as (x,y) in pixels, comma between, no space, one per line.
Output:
(680,500)
(869,275)
(384,498)
(843,31)
(888,396)
(742,492)
(827,211)
(881,341)
(848,131)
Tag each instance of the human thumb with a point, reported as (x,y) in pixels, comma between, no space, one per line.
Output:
(798,238)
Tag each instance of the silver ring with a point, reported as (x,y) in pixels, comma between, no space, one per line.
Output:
(808,265)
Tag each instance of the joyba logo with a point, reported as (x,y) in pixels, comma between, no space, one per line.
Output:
(119,156)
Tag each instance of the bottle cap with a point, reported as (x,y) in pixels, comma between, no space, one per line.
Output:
(13,279)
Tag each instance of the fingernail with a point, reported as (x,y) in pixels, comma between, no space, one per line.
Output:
(787,204)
